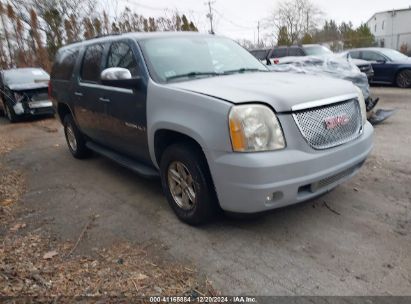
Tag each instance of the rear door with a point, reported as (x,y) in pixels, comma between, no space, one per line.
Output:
(89,109)
(126,124)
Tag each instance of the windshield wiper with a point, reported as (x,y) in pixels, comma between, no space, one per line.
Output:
(192,75)
(242,70)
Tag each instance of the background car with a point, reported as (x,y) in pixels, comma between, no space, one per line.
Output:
(390,66)
(273,56)
(261,54)
(24,91)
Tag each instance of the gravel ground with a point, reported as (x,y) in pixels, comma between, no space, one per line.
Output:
(355,240)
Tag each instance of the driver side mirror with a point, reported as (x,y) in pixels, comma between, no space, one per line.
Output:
(382,61)
(119,77)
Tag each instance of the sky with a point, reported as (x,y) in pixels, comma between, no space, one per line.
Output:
(238,19)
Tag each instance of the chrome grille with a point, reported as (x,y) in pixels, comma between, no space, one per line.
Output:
(313,126)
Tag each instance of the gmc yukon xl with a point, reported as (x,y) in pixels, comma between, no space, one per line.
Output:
(202,113)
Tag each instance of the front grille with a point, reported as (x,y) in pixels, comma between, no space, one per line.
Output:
(328,181)
(331,179)
(315,128)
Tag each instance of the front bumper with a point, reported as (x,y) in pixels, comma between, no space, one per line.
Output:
(255,182)
(34,108)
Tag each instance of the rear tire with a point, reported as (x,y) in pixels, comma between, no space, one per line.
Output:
(9,113)
(75,139)
(403,79)
(187,184)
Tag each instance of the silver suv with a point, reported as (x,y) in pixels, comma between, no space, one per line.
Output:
(208,118)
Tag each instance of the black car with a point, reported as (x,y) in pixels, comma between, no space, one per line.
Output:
(390,66)
(24,92)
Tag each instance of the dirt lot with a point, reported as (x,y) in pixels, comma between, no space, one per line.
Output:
(354,241)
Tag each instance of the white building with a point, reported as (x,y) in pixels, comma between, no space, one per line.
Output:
(392,29)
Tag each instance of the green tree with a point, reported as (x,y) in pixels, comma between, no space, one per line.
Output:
(283,37)
(307,39)
(363,37)
(185,27)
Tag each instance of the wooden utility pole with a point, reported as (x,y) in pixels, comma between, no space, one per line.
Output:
(210,16)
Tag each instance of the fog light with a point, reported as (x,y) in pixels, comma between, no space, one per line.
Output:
(274,197)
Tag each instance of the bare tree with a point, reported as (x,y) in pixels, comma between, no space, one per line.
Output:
(296,18)
(6,34)
(42,58)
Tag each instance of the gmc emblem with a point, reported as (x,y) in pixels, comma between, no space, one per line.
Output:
(336,121)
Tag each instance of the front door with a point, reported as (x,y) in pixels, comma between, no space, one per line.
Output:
(126,123)
(380,65)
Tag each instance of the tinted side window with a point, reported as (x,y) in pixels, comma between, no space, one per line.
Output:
(121,55)
(355,54)
(90,70)
(295,52)
(371,56)
(282,52)
(64,64)
(278,53)
(259,54)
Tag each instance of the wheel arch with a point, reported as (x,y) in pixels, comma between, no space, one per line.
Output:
(62,110)
(164,137)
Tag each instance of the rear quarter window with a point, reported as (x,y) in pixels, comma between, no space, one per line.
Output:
(64,64)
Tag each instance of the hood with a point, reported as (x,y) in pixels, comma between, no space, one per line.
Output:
(280,90)
(28,86)
(406,61)
(359,61)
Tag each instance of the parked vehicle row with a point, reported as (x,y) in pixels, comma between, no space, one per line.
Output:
(390,66)
(220,129)
(24,92)
(381,65)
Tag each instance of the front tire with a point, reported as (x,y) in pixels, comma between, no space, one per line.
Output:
(75,139)
(403,79)
(187,184)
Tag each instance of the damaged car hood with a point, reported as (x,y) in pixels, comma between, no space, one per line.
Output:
(28,86)
(280,90)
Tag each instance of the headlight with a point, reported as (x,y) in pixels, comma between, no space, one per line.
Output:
(363,108)
(255,128)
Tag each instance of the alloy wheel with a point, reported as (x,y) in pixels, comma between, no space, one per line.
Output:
(404,79)
(181,185)
(71,138)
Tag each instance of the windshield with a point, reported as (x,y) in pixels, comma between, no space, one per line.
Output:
(23,76)
(182,58)
(316,50)
(393,54)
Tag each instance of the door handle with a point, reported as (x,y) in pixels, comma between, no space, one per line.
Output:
(78,93)
(104,99)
